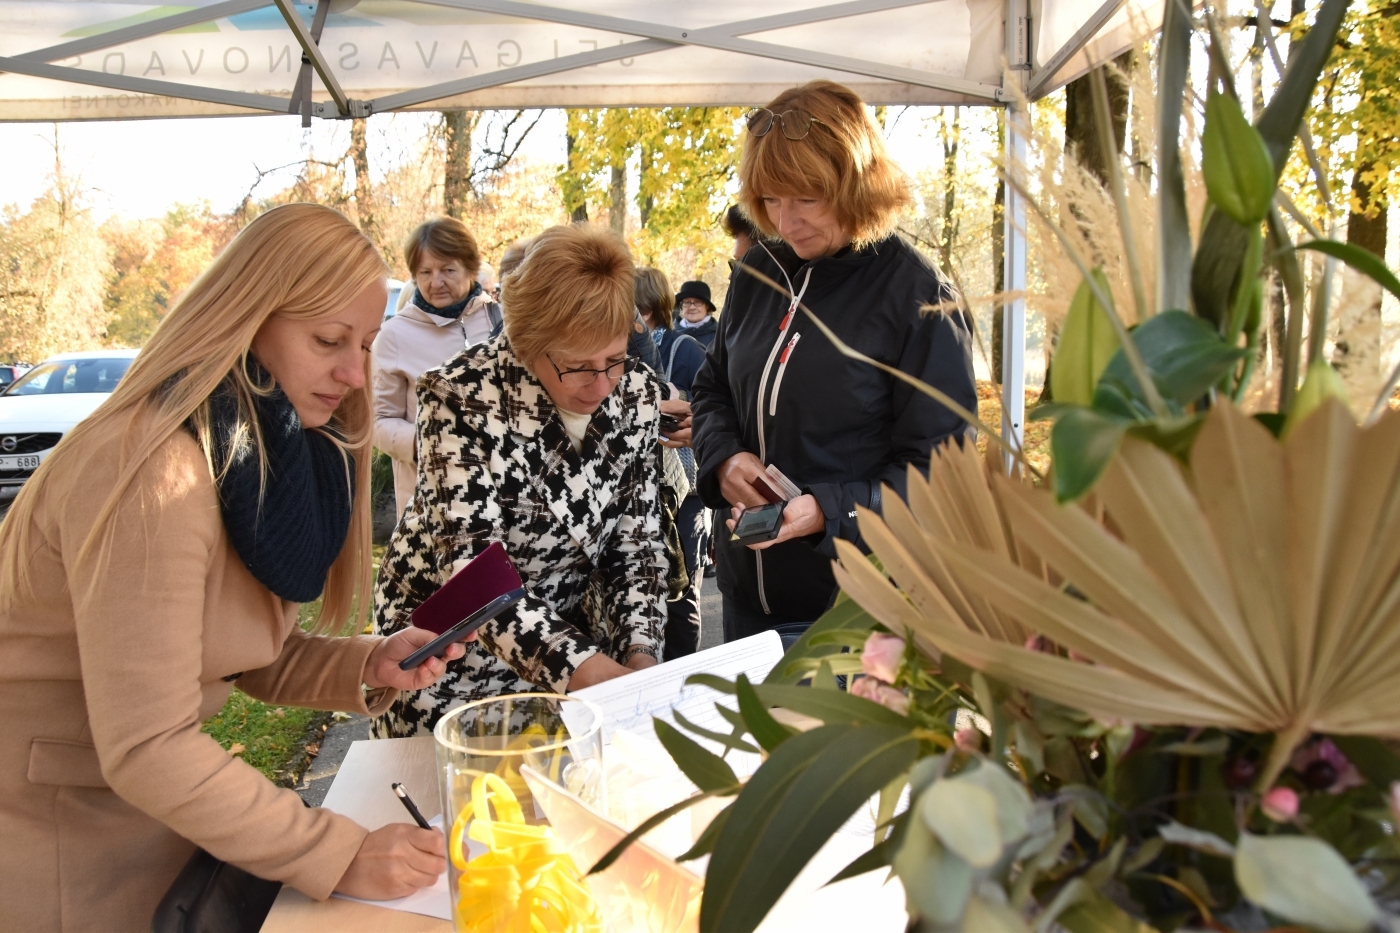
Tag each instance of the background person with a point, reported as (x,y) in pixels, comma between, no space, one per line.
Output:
(544,439)
(681,358)
(743,232)
(448,310)
(773,390)
(158,557)
(696,312)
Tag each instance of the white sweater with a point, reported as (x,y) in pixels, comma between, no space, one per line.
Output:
(409,344)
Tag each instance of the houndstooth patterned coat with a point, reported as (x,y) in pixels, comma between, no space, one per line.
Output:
(584,529)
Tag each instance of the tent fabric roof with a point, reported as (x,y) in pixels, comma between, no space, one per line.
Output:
(108,59)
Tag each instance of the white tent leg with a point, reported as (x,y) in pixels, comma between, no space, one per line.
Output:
(1013,320)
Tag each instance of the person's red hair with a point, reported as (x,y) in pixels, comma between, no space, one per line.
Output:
(842,160)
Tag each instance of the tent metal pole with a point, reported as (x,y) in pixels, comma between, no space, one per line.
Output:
(312,50)
(1013,329)
(1045,74)
(154,27)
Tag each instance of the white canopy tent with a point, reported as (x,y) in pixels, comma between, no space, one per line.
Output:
(64,60)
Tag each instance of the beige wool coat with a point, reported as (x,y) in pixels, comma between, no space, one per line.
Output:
(108,670)
(409,344)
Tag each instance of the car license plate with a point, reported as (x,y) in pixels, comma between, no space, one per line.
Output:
(21,462)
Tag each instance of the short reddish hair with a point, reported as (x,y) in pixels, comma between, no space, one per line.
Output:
(447,237)
(842,160)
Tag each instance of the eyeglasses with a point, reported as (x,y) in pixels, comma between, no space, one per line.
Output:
(586,377)
(796,123)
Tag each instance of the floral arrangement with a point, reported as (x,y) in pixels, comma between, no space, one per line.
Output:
(1155,689)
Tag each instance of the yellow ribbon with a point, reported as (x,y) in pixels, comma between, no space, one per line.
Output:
(525,882)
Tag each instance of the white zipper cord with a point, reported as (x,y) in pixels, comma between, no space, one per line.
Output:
(762,384)
(773,355)
(782,368)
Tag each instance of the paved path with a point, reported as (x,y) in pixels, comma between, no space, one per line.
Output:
(336,742)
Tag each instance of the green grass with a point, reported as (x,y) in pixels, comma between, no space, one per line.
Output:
(277,740)
(270,738)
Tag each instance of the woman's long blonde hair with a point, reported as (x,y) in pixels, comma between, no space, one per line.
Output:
(302,261)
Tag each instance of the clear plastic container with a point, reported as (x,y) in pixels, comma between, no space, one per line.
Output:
(503,858)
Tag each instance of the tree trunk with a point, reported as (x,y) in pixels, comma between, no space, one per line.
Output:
(647,203)
(1082,130)
(617,197)
(364,190)
(574,202)
(1366,227)
(951,135)
(457,174)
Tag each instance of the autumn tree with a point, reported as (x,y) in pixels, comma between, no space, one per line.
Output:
(152,263)
(53,266)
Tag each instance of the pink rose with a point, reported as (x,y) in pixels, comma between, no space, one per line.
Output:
(969,740)
(871,688)
(1280,804)
(880,656)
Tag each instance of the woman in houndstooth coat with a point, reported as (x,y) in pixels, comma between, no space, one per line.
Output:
(545,439)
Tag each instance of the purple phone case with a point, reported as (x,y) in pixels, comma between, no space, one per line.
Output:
(487,576)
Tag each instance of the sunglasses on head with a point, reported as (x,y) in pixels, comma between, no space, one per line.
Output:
(796,123)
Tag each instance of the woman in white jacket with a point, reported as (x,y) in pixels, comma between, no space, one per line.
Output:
(448,312)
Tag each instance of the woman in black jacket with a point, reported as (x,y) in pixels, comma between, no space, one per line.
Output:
(775,391)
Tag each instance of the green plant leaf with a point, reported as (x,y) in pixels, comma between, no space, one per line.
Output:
(706,843)
(1303,881)
(1185,356)
(1173,220)
(723,738)
(1086,343)
(709,771)
(1238,169)
(650,823)
(1082,444)
(845,616)
(963,816)
(830,706)
(1322,383)
(876,857)
(936,881)
(1360,259)
(991,917)
(1278,124)
(801,795)
(767,731)
(1174,435)
(1094,913)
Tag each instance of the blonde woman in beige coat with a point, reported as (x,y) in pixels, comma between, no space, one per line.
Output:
(157,558)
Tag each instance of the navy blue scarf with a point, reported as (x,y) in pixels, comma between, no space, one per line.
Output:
(452,310)
(291,528)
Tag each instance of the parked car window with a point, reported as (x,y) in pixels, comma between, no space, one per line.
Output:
(63,377)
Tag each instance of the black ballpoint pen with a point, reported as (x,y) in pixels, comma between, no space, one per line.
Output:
(409,805)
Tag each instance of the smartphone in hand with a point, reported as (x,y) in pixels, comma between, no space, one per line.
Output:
(486,587)
(756,526)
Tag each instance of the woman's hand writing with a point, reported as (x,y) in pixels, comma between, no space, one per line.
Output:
(394,861)
(383,667)
(802,516)
(595,670)
(736,478)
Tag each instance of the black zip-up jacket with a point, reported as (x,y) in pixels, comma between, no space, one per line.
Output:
(772,384)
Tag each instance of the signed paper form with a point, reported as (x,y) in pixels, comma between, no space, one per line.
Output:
(630,702)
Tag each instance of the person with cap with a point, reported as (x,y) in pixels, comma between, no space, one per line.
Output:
(697,312)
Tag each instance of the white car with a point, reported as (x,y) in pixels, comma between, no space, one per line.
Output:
(44,404)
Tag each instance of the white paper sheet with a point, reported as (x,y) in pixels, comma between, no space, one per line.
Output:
(630,702)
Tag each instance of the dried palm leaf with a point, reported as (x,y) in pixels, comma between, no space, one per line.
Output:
(959,502)
(1257,590)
